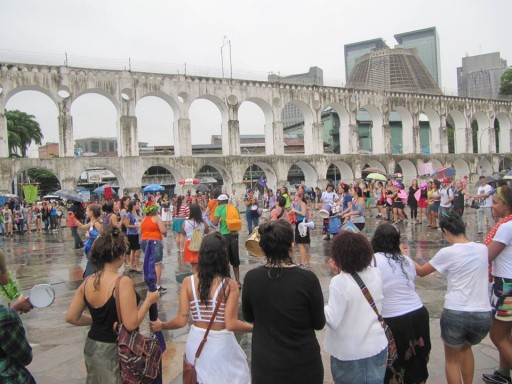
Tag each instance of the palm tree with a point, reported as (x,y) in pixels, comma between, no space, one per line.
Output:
(22,130)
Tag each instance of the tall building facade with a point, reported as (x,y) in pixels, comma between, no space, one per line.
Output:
(355,50)
(480,75)
(426,43)
(291,113)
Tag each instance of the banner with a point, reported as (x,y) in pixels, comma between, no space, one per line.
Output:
(261,181)
(30,192)
(426,169)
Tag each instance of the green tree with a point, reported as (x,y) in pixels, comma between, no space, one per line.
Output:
(22,131)
(48,182)
(506,83)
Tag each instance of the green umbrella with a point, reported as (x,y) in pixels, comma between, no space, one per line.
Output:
(376,176)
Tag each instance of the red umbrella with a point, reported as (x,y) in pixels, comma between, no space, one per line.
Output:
(444,172)
(189,181)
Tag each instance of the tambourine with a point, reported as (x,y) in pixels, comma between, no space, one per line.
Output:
(41,296)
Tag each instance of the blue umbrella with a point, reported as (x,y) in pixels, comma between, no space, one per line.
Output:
(153,188)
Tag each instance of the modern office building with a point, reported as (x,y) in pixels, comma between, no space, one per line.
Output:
(426,42)
(291,114)
(397,69)
(480,75)
(355,50)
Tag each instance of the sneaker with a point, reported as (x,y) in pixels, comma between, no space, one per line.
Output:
(162,290)
(496,378)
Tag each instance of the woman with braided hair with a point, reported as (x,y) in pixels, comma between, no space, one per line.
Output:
(499,244)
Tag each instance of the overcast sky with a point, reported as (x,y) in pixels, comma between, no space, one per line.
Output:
(284,37)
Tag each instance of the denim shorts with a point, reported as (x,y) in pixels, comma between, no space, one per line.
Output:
(159,250)
(370,370)
(459,327)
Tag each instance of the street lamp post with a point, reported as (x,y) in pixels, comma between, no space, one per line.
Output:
(250,166)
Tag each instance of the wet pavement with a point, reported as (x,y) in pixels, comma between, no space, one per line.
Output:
(58,347)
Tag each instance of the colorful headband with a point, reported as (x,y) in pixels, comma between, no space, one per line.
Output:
(500,194)
(151,207)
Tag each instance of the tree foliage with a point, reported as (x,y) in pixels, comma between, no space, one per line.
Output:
(48,182)
(22,131)
(506,83)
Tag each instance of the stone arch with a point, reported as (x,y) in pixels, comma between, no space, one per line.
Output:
(409,171)
(13,179)
(268,128)
(310,173)
(481,133)
(376,164)
(434,135)
(270,174)
(505,164)
(226,136)
(484,167)
(436,164)
(117,173)
(407,134)
(307,127)
(168,127)
(174,174)
(347,175)
(343,131)
(459,122)
(461,168)
(98,91)
(505,134)
(377,138)
(45,91)
(227,177)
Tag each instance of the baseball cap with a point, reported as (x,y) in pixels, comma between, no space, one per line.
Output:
(223,197)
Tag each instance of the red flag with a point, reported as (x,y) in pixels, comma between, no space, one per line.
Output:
(108,193)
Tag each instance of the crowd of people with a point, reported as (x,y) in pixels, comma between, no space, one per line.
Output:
(373,283)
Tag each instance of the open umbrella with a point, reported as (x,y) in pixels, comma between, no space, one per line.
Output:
(373,170)
(69,194)
(376,176)
(153,188)
(202,188)
(508,176)
(51,197)
(189,181)
(444,172)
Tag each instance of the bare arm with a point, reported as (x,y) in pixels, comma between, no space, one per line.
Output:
(231,313)
(494,249)
(182,317)
(424,270)
(131,316)
(75,314)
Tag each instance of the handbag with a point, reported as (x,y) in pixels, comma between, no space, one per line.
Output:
(189,369)
(139,355)
(392,354)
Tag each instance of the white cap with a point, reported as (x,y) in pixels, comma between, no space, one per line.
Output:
(223,197)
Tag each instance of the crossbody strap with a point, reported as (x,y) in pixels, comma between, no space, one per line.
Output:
(116,298)
(367,294)
(220,297)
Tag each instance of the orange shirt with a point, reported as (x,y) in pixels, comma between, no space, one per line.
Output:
(212,205)
(150,230)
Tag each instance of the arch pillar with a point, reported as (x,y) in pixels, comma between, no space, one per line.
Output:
(128,142)
(65,122)
(412,143)
(233,134)
(4,146)
(318,139)
(278,138)
(182,138)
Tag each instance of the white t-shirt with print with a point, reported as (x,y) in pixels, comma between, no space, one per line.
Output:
(466,268)
(486,202)
(502,265)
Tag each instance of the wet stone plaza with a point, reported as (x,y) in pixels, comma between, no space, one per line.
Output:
(58,347)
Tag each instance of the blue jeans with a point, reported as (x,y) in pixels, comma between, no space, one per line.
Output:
(252,220)
(370,370)
(459,327)
(159,250)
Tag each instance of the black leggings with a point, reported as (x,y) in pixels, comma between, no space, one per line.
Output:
(414,211)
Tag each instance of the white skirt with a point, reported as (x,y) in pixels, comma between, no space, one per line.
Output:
(166,216)
(222,359)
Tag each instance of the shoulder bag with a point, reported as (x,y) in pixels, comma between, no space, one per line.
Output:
(189,369)
(392,355)
(139,355)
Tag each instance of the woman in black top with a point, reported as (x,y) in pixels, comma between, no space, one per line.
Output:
(412,202)
(458,198)
(285,303)
(97,294)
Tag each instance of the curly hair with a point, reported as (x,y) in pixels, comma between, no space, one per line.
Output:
(386,240)
(111,244)
(276,238)
(351,252)
(213,262)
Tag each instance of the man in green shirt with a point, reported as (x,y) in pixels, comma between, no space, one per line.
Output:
(230,237)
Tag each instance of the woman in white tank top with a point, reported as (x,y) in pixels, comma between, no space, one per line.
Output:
(222,359)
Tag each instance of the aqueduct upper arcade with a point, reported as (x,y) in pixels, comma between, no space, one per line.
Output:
(63,85)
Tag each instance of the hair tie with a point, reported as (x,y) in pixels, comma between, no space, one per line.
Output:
(115,232)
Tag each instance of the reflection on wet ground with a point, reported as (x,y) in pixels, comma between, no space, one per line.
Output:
(58,346)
